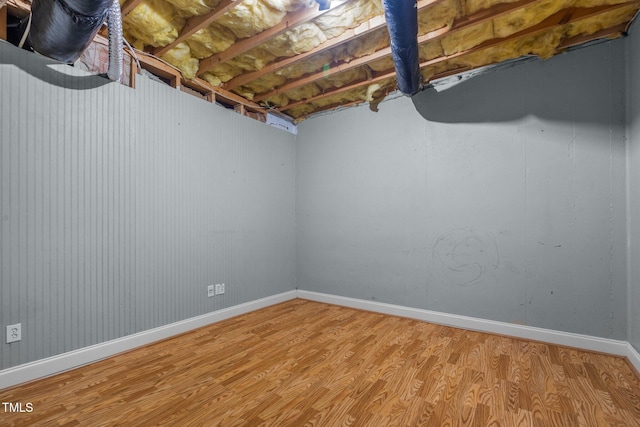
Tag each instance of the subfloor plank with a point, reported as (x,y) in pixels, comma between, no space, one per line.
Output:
(308,363)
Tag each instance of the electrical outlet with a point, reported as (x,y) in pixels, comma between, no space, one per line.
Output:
(14,333)
(219,288)
(210,291)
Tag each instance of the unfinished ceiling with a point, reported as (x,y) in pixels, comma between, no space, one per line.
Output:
(290,56)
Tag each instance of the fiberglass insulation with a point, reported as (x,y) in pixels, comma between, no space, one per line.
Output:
(446,44)
(158,22)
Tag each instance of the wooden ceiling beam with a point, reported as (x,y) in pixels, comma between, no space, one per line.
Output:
(195,23)
(490,13)
(128,6)
(222,95)
(475,19)
(237,98)
(364,28)
(339,68)
(340,90)
(161,69)
(19,8)
(333,107)
(173,75)
(433,35)
(203,85)
(556,20)
(290,20)
(238,48)
(3,23)
(605,33)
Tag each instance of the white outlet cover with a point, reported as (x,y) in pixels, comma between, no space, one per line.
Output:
(210,291)
(14,333)
(219,288)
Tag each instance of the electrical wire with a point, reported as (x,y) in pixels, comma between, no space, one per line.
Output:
(26,33)
(159,59)
(133,53)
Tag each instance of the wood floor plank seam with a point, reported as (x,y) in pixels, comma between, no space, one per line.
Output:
(303,363)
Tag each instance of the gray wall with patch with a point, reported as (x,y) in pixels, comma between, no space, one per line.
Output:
(501,198)
(120,206)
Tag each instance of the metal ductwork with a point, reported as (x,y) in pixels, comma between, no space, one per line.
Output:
(402,23)
(114,15)
(63,29)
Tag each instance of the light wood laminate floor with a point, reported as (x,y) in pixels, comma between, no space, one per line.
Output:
(306,363)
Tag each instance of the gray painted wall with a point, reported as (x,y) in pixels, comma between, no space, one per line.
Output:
(501,198)
(633,164)
(120,206)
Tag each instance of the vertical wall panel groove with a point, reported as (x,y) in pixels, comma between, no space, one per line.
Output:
(120,206)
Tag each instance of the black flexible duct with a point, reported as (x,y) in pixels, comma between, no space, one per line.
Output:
(63,29)
(402,23)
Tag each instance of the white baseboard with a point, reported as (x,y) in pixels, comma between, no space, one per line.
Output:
(586,342)
(633,356)
(73,359)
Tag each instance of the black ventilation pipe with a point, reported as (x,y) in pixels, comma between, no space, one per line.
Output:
(63,29)
(402,23)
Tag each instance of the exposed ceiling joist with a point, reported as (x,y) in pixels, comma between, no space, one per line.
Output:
(129,5)
(3,23)
(362,30)
(344,56)
(19,8)
(339,90)
(556,20)
(336,69)
(196,23)
(295,18)
(605,33)
(458,25)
